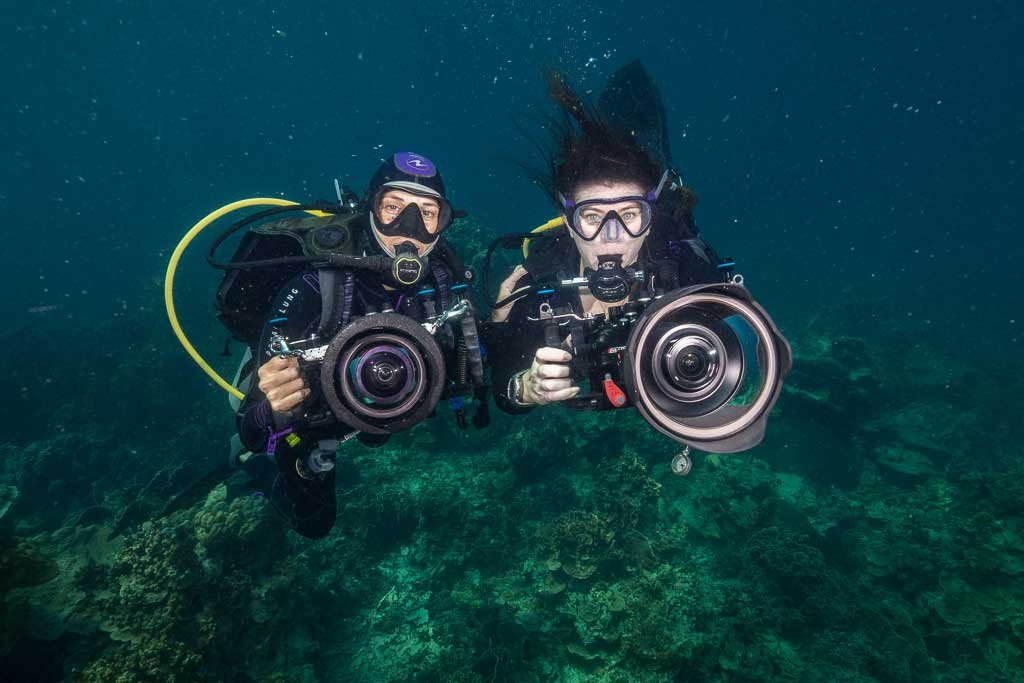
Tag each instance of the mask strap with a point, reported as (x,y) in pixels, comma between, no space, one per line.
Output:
(653,196)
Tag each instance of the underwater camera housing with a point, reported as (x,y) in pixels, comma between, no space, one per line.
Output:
(382,373)
(379,373)
(703,365)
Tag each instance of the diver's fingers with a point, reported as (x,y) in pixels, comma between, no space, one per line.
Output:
(270,373)
(278,379)
(271,379)
(268,382)
(510,282)
(277,364)
(289,372)
(281,391)
(550,385)
(552,370)
(561,394)
(291,401)
(500,315)
(549,354)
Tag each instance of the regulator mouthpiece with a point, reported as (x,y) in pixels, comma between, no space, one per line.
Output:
(610,282)
(408,267)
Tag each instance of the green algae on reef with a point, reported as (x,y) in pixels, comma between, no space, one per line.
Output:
(857,544)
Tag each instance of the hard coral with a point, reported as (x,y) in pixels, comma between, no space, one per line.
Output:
(151,608)
(626,492)
(797,572)
(578,541)
(238,532)
(730,496)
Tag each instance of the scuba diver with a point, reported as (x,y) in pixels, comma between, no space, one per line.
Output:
(358,319)
(621,293)
(622,212)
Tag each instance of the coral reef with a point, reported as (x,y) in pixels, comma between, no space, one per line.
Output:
(876,535)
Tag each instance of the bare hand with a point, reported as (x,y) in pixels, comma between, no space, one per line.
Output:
(500,315)
(282,384)
(548,379)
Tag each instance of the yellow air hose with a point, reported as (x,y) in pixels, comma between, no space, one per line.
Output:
(172,266)
(550,225)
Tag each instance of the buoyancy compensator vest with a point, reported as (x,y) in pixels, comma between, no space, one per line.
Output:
(244,296)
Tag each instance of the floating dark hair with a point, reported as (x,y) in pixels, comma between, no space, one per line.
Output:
(584,148)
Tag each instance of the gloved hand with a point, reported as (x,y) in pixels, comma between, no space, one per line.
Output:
(282,384)
(547,380)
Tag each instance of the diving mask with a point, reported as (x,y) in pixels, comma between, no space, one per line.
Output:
(631,214)
(409,221)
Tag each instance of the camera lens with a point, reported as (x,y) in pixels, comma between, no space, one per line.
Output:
(383,375)
(692,363)
(689,363)
(704,367)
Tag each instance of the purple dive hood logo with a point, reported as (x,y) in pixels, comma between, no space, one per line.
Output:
(415,164)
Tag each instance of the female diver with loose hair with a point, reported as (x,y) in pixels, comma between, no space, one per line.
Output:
(627,233)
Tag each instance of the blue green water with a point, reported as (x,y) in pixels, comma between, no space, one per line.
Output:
(862,164)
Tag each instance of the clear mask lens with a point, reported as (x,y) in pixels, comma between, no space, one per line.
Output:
(409,219)
(631,215)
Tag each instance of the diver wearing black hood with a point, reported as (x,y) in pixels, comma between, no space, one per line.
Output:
(405,215)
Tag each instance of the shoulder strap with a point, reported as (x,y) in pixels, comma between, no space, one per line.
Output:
(336,292)
(449,257)
(442,284)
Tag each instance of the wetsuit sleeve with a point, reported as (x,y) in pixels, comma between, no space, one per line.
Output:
(511,346)
(296,306)
(254,422)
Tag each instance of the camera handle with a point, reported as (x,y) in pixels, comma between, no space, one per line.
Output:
(552,337)
(278,346)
